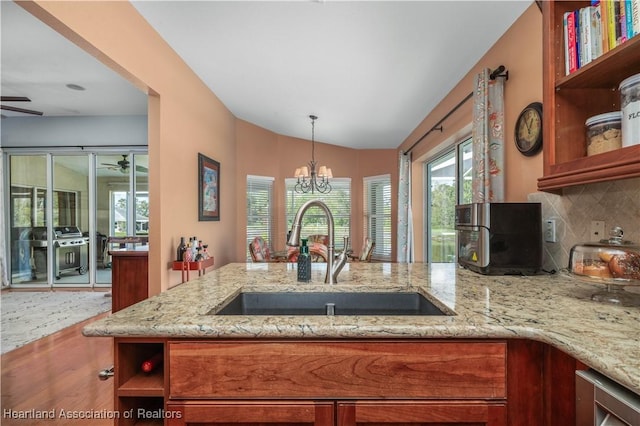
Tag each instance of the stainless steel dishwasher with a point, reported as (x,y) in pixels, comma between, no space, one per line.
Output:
(602,402)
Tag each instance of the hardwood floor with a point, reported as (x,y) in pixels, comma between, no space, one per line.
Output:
(60,373)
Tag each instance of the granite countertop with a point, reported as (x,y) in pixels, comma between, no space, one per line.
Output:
(555,309)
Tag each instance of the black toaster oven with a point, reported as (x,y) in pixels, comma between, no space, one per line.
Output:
(500,238)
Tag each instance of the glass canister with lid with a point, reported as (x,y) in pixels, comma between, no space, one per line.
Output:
(630,104)
(604,132)
(612,260)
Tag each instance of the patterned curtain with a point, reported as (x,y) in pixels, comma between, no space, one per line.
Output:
(4,276)
(405,218)
(488,139)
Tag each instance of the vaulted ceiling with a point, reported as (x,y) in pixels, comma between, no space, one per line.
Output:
(370,70)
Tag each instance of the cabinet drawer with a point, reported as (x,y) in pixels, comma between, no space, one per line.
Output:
(337,370)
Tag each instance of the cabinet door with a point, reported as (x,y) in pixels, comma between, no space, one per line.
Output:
(418,413)
(250,413)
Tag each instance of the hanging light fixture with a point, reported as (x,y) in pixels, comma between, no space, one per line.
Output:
(310,180)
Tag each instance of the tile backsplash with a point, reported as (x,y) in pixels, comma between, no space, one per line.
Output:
(616,203)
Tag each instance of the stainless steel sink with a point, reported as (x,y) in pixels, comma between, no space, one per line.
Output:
(321,303)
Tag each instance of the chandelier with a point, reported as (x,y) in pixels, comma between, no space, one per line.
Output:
(310,180)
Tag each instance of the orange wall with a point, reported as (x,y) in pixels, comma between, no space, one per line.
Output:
(520,51)
(264,153)
(185,118)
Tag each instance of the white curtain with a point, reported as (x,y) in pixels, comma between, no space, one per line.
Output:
(488,139)
(405,218)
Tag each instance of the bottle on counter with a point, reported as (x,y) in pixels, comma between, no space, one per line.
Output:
(304,263)
(180,250)
(188,252)
(194,248)
(199,256)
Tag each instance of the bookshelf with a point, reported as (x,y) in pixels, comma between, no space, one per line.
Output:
(570,99)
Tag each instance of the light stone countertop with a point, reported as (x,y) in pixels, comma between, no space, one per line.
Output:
(555,309)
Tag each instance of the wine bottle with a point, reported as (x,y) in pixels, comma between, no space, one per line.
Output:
(180,250)
(152,363)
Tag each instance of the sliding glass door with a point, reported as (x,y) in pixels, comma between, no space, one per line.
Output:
(448,182)
(27,219)
(70,220)
(62,207)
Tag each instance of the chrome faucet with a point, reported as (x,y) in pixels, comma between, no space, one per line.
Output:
(334,265)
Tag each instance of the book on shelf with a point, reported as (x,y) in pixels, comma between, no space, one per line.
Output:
(571,53)
(634,16)
(596,31)
(604,28)
(585,30)
(592,31)
(622,37)
(613,23)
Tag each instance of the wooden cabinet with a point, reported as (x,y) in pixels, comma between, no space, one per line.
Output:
(337,382)
(338,413)
(515,382)
(570,99)
(425,413)
(248,413)
(129,277)
(139,396)
(337,369)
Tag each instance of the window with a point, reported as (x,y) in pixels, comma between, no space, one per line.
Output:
(448,182)
(259,209)
(377,212)
(315,221)
(120,214)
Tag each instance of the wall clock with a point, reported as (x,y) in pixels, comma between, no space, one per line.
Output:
(528,132)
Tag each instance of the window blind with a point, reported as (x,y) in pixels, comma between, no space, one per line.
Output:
(377,211)
(315,221)
(259,209)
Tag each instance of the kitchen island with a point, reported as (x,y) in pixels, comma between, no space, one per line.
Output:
(539,320)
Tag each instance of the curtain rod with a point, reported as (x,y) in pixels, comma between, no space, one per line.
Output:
(113,148)
(498,72)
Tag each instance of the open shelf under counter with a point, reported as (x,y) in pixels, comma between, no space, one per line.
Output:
(142,384)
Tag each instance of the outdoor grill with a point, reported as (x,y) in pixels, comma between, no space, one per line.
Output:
(67,242)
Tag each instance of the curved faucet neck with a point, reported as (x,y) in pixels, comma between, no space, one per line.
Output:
(294,238)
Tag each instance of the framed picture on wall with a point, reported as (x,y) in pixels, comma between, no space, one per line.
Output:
(208,188)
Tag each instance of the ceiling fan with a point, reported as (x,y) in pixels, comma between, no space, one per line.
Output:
(123,166)
(16,109)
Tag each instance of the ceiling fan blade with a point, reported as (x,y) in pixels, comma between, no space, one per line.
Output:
(22,110)
(14,99)
(110,165)
(142,169)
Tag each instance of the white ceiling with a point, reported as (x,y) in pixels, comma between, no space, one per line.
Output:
(370,70)
(37,62)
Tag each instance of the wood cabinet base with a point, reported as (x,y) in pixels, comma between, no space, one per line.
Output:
(517,382)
